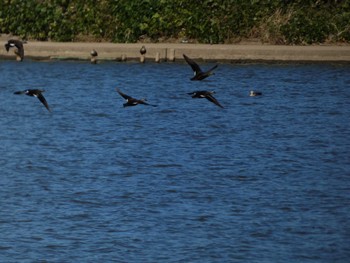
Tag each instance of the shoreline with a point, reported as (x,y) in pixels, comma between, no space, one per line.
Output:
(229,53)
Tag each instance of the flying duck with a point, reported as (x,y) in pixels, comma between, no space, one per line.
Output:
(205,94)
(94,55)
(19,45)
(254,93)
(35,93)
(198,73)
(130,101)
(143,50)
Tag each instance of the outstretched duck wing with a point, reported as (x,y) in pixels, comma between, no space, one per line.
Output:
(20,48)
(210,70)
(213,100)
(19,92)
(145,103)
(43,101)
(195,67)
(127,97)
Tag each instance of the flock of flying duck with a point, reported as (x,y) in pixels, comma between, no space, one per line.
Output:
(130,101)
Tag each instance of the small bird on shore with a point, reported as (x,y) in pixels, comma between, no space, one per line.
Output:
(143,53)
(255,93)
(130,101)
(205,94)
(19,51)
(198,73)
(94,55)
(143,50)
(35,93)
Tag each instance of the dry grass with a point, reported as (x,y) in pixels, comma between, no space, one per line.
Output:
(269,30)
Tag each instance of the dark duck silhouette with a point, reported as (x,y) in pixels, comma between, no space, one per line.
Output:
(19,48)
(93,54)
(255,93)
(35,93)
(198,73)
(143,50)
(130,101)
(143,53)
(205,94)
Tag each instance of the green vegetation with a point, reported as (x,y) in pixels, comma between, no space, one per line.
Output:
(203,21)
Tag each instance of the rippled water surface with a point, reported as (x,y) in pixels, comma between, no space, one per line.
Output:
(267,179)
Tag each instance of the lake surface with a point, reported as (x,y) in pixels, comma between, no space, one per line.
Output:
(267,179)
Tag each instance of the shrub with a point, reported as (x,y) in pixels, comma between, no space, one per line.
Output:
(205,21)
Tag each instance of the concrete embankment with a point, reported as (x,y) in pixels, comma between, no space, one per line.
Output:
(170,52)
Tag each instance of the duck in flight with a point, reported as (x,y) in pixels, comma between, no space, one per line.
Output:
(205,94)
(130,101)
(35,93)
(19,45)
(198,73)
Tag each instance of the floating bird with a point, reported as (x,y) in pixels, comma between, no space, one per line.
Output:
(205,94)
(254,93)
(143,50)
(94,55)
(35,93)
(19,45)
(198,73)
(130,101)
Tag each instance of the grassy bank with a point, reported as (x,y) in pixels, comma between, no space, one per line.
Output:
(199,21)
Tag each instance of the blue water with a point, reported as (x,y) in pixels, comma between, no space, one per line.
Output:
(267,179)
